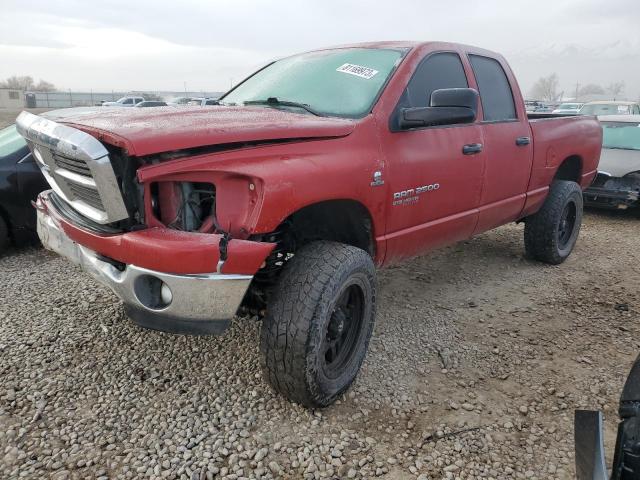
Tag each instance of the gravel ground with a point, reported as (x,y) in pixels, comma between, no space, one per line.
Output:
(478,360)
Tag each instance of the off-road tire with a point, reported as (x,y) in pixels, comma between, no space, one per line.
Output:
(300,313)
(4,236)
(543,230)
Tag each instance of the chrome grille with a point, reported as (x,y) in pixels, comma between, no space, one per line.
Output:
(87,194)
(71,164)
(77,166)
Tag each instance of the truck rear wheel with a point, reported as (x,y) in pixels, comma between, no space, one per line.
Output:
(551,233)
(4,235)
(319,321)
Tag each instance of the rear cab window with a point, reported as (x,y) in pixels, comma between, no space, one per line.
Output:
(495,91)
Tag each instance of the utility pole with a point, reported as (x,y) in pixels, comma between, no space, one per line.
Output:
(185,88)
(577,87)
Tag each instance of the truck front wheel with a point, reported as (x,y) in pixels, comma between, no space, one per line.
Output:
(551,233)
(319,321)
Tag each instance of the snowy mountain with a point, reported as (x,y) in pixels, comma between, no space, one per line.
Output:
(603,64)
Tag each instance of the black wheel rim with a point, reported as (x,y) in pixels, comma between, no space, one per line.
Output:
(567,224)
(342,332)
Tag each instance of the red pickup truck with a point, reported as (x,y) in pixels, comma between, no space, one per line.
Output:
(283,198)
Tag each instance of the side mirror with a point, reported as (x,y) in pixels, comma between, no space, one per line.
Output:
(449,106)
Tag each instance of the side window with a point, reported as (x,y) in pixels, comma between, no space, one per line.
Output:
(127,101)
(436,71)
(495,92)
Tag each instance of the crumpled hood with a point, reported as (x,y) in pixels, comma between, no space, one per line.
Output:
(145,131)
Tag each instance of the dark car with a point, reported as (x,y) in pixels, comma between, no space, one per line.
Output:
(20,183)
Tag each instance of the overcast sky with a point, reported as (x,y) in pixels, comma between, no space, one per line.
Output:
(156,45)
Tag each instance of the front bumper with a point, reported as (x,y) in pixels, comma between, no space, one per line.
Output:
(197,303)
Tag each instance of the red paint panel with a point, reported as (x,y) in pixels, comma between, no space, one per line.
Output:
(142,132)
(556,139)
(534,201)
(416,240)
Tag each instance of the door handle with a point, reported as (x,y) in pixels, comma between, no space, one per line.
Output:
(522,141)
(472,148)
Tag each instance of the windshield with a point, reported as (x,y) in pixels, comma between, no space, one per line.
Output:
(10,141)
(621,135)
(341,82)
(605,109)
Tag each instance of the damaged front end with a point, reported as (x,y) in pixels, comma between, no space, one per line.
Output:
(613,192)
(152,235)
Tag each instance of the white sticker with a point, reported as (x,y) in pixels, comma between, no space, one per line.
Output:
(623,108)
(357,70)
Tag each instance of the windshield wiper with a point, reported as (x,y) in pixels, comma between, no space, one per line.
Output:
(273,101)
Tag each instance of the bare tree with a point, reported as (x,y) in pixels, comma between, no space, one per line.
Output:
(546,88)
(44,86)
(590,89)
(18,83)
(615,89)
(26,82)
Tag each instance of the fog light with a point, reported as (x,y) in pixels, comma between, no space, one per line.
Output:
(152,292)
(165,294)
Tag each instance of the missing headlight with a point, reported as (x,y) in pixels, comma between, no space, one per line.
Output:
(185,206)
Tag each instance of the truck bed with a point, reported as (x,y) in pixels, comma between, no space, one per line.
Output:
(559,137)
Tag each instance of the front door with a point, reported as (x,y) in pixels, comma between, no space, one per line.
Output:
(435,173)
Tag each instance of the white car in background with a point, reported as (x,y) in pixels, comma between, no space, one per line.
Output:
(124,102)
(568,108)
(179,101)
(203,101)
(610,107)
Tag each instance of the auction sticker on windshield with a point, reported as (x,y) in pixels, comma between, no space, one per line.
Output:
(357,70)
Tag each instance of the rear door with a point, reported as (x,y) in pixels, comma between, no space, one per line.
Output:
(507,141)
(435,187)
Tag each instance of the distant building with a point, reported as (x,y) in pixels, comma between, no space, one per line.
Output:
(11,98)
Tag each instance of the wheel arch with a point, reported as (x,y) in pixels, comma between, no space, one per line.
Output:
(341,220)
(570,169)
